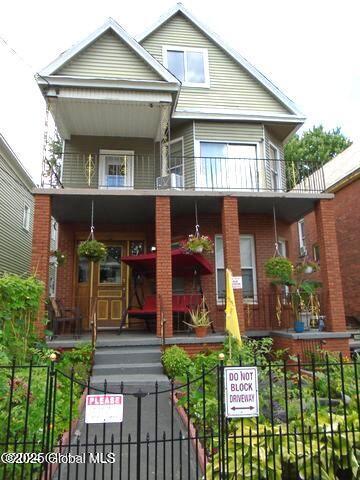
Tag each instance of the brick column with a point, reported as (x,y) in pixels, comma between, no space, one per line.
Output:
(163,265)
(330,266)
(64,284)
(41,249)
(231,241)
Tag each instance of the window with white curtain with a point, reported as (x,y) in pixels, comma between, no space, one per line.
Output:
(248,268)
(223,166)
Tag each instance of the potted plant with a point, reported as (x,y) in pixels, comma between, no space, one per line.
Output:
(93,250)
(200,320)
(199,244)
(302,290)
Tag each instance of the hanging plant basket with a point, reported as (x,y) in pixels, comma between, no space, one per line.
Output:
(199,244)
(57,258)
(93,250)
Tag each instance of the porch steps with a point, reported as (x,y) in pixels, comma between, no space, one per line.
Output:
(137,365)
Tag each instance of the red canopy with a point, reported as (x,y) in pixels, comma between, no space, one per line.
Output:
(183,263)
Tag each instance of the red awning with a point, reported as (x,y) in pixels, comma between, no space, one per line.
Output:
(183,263)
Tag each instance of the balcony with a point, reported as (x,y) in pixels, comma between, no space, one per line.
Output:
(125,171)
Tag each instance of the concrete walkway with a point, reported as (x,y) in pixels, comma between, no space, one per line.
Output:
(162,460)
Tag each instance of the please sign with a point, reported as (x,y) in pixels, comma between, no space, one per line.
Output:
(104,408)
(241,392)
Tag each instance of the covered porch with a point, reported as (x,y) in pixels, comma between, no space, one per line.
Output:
(141,220)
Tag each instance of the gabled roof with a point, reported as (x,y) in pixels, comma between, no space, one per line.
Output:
(179,8)
(110,24)
(15,164)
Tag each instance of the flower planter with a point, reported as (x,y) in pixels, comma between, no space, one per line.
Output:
(299,326)
(198,249)
(201,331)
(305,317)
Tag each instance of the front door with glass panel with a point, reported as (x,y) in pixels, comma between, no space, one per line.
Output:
(116,169)
(110,286)
(224,166)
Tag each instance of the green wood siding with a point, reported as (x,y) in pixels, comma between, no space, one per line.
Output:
(15,241)
(229,132)
(231,86)
(109,57)
(77,152)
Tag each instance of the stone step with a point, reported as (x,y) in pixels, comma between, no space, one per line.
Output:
(126,355)
(127,369)
(124,341)
(113,382)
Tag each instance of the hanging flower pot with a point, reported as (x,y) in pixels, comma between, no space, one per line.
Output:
(57,258)
(93,250)
(199,244)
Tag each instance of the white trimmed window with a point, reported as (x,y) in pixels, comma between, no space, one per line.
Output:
(26,217)
(275,167)
(248,268)
(189,65)
(282,247)
(301,235)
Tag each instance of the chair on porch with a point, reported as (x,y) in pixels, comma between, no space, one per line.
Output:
(62,318)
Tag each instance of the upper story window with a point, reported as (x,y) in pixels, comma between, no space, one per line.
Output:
(302,239)
(26,218)
(189,65)
(224,166)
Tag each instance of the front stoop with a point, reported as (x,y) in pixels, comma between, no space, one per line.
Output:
(136,365)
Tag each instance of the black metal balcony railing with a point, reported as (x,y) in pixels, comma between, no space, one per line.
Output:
(117,171)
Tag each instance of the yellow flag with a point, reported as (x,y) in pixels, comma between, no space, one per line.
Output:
(232,322)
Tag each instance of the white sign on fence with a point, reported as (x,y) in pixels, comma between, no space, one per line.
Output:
(241,392)
(237,283)
(104,408)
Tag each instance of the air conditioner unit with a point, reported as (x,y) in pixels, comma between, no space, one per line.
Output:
(303,251)
(170,181)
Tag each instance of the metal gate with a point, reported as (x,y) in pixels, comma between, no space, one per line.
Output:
(308,426)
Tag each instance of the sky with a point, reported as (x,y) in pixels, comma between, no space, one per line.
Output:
(308,48)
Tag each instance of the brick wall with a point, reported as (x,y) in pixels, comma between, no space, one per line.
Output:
(347,224)
(305,347)
(163,264)
(41,249)
(65,274)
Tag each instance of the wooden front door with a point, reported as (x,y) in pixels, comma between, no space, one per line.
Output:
(109,286)
(109,283)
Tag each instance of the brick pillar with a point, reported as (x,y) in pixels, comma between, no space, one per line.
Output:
(41,249)
(64,284)
(231,240)
(330,266)
(163,265)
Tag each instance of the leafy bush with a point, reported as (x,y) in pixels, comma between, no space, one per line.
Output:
(19,303)
(176,361)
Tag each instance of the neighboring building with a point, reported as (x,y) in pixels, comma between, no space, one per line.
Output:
(156,129)
(16,212)
(342,177)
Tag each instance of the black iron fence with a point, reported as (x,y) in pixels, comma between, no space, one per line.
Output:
(307,427)
(125,171)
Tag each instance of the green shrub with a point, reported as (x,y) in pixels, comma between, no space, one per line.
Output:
(176,361)
(19,303)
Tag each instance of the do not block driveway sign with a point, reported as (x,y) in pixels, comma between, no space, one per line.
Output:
(241,392)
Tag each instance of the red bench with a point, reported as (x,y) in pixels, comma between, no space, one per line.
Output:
(180,304)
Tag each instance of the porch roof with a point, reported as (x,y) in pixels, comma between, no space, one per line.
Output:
(138,206)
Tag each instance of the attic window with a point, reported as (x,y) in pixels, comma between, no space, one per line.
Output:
(189,65)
